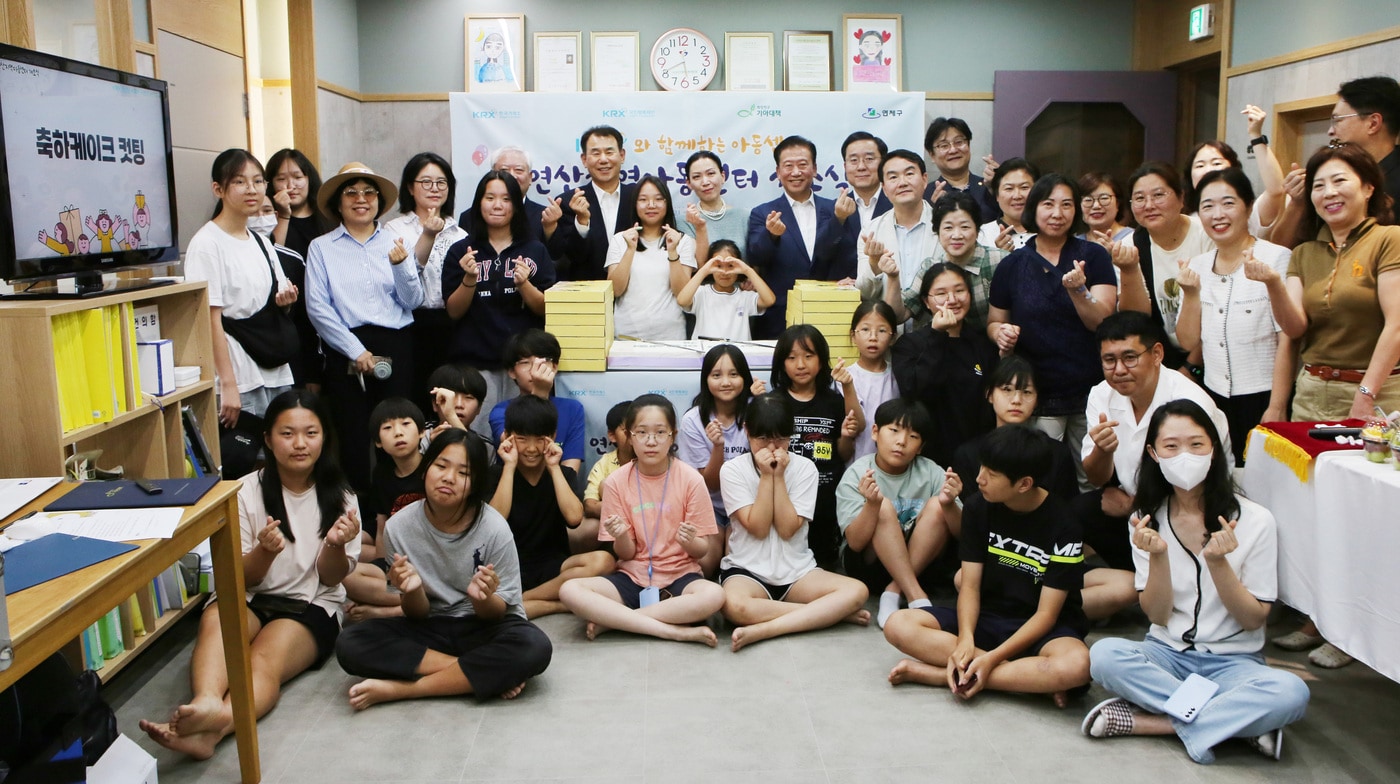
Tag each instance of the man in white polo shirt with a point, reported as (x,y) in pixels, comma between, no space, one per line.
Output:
(1131,346)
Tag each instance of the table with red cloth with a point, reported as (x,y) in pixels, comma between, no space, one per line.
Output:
(1338,536)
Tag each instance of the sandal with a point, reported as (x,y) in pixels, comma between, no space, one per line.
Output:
(1270,744)
(1330,657)
(1111,718)
(1298,641)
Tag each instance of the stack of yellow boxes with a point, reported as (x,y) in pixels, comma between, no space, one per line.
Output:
(580,315)
(829,308)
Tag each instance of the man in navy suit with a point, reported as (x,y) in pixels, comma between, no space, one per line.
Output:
(592,214)
(543,218)
(798,235)
(948,143)
(862,153)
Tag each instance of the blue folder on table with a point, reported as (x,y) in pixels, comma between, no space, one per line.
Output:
(124,494)
(50,557)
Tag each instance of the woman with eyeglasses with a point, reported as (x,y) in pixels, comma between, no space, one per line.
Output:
(493,282)
(1105,209)
(427,192)
(945,364)
(1011,186)
(1166,236)
(361,296)
(648,265)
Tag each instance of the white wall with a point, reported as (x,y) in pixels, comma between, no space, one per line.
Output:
(338,43)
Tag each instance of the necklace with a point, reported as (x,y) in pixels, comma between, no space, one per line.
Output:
(714,216)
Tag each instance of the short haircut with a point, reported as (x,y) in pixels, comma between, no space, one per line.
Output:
(617,415)
(1014,370)
(1091,182)
(413,168)
(531,343)
(1234,177)
(770,416)
(902,154)
(1374,95)
(501,151)
(1041,191)
(606,131)
(794,141)
(460,378)
(1127,324)
(1166,171)
(942,124)
(1017,451)
(1010,167)
(863,136)
(906,413)
(394,409)
(703,155)
(528,415)
(956,201)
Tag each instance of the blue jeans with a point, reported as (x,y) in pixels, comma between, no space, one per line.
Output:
(1253,698)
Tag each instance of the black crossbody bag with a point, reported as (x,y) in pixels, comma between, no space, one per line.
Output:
(269,336)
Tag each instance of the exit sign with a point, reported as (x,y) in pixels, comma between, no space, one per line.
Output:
(1202,22)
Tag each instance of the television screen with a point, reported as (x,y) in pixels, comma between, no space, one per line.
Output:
(86,179)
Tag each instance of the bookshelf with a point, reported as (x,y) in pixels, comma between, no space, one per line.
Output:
(146,440)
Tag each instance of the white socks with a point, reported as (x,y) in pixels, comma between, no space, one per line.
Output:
(889,605)
(917,603)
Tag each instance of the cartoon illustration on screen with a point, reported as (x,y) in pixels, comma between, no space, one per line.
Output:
(58,242)
(62,239)
(105,229)
(141,217)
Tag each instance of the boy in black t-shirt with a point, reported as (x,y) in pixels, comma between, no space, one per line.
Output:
(536,495)
(1018,625)
(396,427)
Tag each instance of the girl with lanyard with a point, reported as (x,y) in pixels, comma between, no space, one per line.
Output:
(660,519)
(301,537)
(710,219)
(1207,574)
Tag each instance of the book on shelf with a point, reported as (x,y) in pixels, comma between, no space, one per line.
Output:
(201,447)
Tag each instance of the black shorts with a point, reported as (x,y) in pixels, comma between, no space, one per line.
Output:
(775,592)
(993,630)
(324,627)
(631,593)
(540,572)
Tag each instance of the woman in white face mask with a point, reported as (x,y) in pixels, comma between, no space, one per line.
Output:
(1206,563)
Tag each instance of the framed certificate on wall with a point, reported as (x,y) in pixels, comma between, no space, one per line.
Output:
(748,62)
(495,53)
(559,62)
(807,60)
(615,62)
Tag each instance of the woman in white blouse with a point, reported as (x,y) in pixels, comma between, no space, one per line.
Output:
(427,193)
(648,265)
(1228,296)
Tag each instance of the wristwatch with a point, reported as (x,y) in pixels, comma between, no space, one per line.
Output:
(1261,139)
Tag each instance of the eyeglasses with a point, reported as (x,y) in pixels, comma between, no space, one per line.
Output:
(879,332)
(1336,118)
(868,159)
(354,195)
(1103,200)
(958,143)
(650,436)
(651,202)
(249,185)
(1156,197)
(1129,359)
(431,185)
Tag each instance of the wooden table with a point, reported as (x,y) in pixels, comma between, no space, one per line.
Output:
(48,616)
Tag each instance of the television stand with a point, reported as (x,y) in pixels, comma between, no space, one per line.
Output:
(91,285)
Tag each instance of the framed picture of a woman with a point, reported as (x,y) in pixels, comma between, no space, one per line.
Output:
(495,53)
(873,46)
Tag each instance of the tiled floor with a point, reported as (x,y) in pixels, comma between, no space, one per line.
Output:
(811,708)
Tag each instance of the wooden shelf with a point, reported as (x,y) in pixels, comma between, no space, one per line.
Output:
(115,664)
(88,431)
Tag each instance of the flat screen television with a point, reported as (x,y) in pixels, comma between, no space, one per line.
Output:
(87,181)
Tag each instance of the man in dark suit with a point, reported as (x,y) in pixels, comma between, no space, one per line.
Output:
(798,235)
(862,153)
(592,214)
(948,143)
(543,218)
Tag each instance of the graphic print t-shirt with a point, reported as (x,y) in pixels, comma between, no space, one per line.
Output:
(1021,553)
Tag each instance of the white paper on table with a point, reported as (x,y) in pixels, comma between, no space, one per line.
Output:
(15,493)
(113,525)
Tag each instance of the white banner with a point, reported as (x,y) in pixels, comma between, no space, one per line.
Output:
(663,129)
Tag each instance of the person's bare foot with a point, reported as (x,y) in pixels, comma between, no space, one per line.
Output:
(198,746)
(372,692)
(914,671)
(593,629)
(860,617)
(202,714)
(702,634)
(363,612)
(513,692)
(737,639)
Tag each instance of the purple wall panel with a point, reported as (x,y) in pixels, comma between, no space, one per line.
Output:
(1020,96)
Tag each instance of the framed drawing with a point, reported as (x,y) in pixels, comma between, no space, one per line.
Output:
(495,53)
(807,60)
(873,52)
(748,62)
(558,62)
(615,63)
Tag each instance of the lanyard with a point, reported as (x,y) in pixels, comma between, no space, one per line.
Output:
(650,538)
